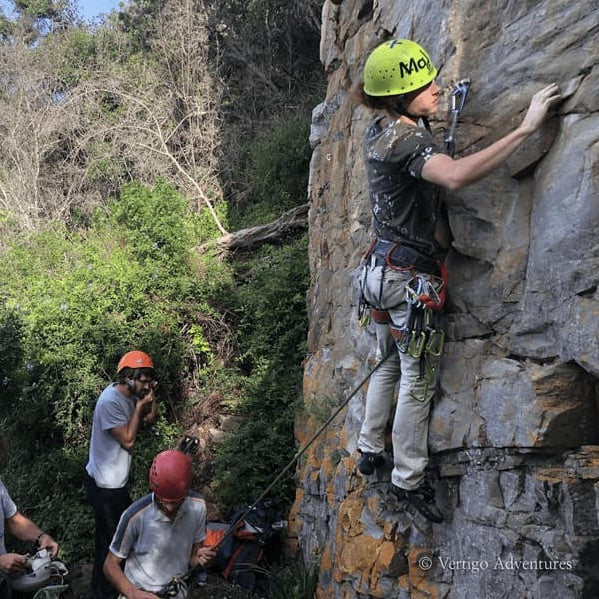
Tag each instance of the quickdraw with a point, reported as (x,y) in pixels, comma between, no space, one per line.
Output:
(458,99)
(427,290)
(421,337)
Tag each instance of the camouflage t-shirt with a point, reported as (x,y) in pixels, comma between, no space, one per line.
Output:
(404,206)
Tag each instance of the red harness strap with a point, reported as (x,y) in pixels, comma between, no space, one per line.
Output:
(380,316)
(437,303)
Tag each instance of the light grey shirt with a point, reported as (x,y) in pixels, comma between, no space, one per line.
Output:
(109,462)
(154,547)
(7,510)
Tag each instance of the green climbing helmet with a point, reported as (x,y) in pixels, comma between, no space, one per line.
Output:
(397,67)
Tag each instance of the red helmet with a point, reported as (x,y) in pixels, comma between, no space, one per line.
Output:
(135,359)
(170,475)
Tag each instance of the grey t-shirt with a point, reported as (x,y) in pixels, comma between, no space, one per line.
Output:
(109,462)
(405,207)
(7,510)
(154,547)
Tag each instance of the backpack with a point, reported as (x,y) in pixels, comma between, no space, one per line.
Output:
(51,592)
(256,528)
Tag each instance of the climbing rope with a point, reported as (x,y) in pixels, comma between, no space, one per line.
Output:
(178,582)
(305,448)
(424,294)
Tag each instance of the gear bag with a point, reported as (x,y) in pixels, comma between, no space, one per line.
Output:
(256,528)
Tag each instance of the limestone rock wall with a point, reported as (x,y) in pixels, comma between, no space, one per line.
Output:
(514,431)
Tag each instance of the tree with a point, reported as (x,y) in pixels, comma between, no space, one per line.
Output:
(78,129)
(269,60)
(37,179)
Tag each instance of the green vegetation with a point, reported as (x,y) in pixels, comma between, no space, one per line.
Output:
(276,167)
(75,302)
(271,332)
(140,161)
(291,579)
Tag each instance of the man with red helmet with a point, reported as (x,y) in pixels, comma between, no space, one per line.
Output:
(119,413)
(159,537)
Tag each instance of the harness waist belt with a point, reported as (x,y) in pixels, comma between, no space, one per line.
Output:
(404,256)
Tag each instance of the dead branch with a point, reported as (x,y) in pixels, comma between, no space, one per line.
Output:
(274,232)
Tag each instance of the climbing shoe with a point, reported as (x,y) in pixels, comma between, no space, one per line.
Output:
(422,498)
(369,461)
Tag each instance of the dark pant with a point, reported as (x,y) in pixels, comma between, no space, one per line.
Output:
(108,506)
(5,588)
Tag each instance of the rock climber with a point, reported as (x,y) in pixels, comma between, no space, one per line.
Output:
(403,276)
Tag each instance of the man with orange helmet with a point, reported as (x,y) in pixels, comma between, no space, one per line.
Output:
(119,413)
(171,521)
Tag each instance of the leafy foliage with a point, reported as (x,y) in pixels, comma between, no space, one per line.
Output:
(292,579)
(97,257)
(276,168)
(272,329)
(75,303)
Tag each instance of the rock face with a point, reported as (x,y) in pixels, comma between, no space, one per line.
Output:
(514,429)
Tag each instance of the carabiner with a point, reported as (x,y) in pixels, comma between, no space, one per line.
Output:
(417,344)
(436,342)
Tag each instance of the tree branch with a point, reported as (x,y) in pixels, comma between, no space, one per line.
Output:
(247,239)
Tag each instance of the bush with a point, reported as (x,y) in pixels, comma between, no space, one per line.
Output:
(292,579)
(75,302)
(276,169)
(272,326)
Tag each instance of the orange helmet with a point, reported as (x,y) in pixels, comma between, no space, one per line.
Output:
(135,359)
(170,475)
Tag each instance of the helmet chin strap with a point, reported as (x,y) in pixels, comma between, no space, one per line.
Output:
(168,513)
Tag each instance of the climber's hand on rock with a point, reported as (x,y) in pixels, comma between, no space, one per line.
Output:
(539,105)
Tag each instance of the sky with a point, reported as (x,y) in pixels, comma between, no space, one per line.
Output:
(88,9)
(93,8)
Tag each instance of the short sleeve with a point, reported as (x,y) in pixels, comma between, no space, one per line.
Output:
(415,150)
(199,507)
(8,506)
(112,414)
(126,533)
(397,145)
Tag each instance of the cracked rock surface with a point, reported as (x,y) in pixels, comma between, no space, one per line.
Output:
(514,429)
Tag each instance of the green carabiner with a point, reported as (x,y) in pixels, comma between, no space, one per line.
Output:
(436,342)
(417,344)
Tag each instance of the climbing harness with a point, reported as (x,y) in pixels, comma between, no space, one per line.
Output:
(398,257)
(421,337)
(458,99)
